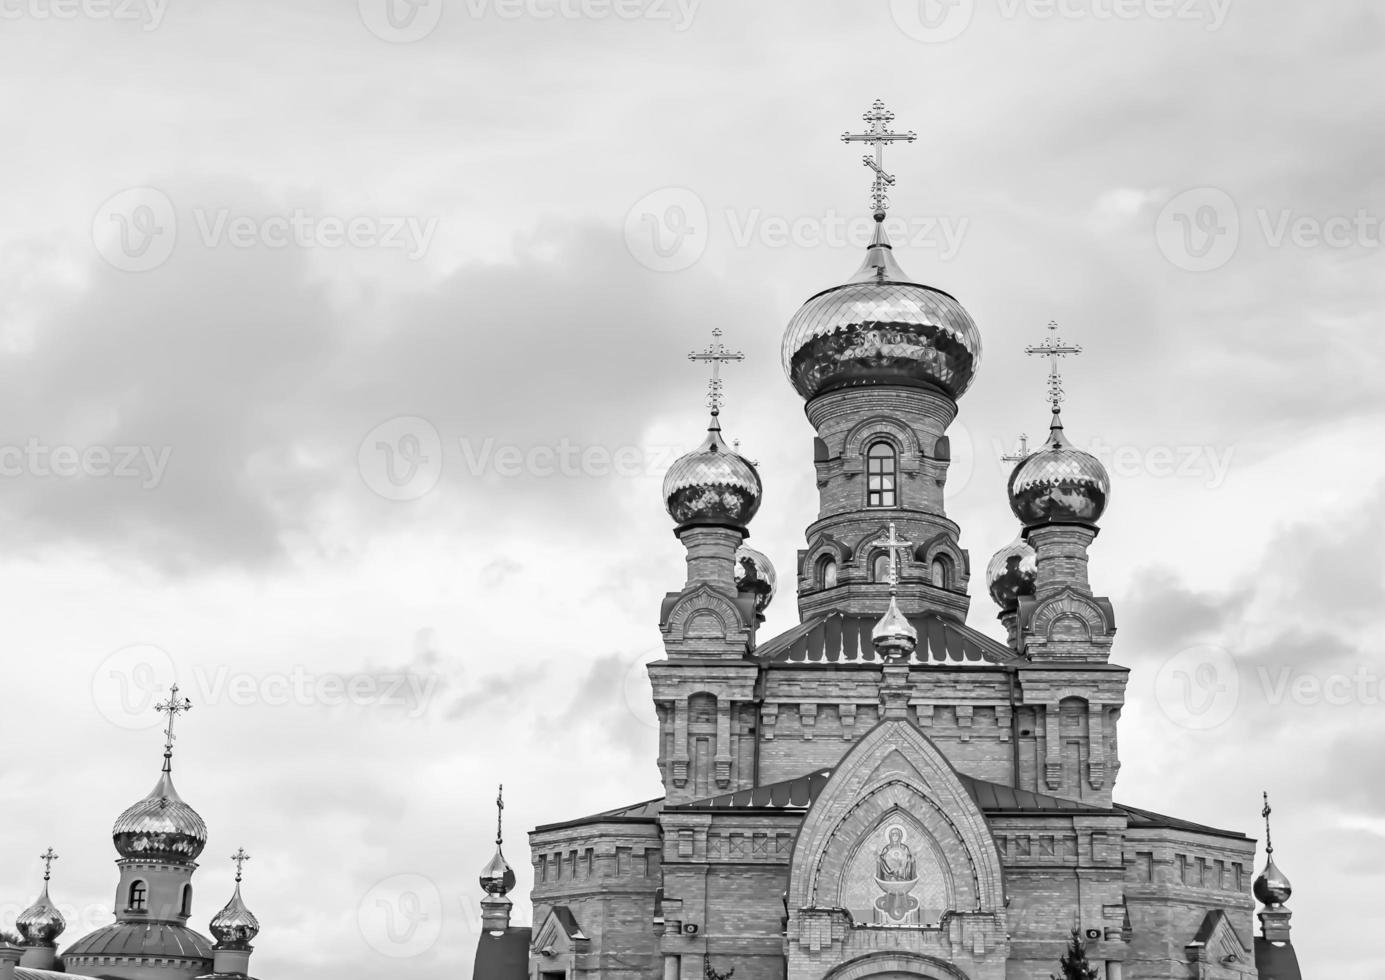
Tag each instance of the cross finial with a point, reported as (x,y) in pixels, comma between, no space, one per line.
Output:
(240,857)
(1269,844)
(716,354)
(173,707)
(878,135)
(1054,348)
(48,857)
(894,544)
(1021,452)
(500,816)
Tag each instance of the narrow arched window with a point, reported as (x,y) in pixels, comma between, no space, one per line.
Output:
(941,571)
(880,568)
(882,470)
(827,572)
(139,897)
(187,900)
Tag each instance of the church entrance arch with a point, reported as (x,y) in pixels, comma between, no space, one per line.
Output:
(896,966)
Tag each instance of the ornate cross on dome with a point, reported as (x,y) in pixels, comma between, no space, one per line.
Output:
(48,857)
(240,857)
(173,707)
(894,544)
(1021,452)
(500,816)
(879,135)
(716,354)
(1054,348)
(1269,845)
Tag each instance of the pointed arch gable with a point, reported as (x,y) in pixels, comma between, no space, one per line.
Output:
(895,769)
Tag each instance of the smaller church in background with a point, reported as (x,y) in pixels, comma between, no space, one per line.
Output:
(158,841)
(883,792)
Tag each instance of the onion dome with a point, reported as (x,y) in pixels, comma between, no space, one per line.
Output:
(1059,483)
(235,925)
(881,328)
(713,484)
(755,573)
(894,637)
(1273,887)
(1011,574)
(161,827)
(41,923)
(497,877)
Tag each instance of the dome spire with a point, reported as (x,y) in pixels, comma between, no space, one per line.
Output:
(716,355)
(498,878)
(1053,348)
(894,636)
(161,826)
(1272,887)
(235,928)
(173,707)
(41,923)
(879,135)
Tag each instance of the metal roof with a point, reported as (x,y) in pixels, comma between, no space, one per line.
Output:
(845,638)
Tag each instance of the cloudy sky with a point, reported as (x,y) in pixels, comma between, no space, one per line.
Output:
(342,350)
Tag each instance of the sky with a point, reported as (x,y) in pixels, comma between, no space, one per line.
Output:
(343,347)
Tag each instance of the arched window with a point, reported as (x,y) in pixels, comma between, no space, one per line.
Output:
(827,572)
(139,897)
(187,900)
(882,470)
(880,567)
(941,571)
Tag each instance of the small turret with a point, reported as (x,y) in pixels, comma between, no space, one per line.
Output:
(41,924)
(1273,888)
(234,927)
(497,879)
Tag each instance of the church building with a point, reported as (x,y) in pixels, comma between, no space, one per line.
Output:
(883,792)
(158,840)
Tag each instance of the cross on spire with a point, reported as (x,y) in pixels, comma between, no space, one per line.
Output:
(240,857)
(893,544)
(878,136)
(1053,348)
(47,857)
(1269,844)
(500,816)
(716,354)
(1021,452)
(173,707)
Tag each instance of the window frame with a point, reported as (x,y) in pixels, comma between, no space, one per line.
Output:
(882,475)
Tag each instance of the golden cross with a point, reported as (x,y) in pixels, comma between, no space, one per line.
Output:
(1269,845)
(48,857)
(500,816)
(1054,348)
(240,857)
(878,136)
(716,354)
(173,707)
(894,544)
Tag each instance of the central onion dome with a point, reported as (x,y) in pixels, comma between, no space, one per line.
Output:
(41,923)
(1011,574)
(1059,483)
(755,574)
(235,926)
(1272,887)
(881,328)
(161,827)
(713,484)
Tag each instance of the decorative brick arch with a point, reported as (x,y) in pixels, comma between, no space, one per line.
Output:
(895,767)
(943,544)
(880,427)
(883,965)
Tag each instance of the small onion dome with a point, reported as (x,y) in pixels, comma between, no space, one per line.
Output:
(1059,484)
(235,925)
(41,923)
(1011,574)
(1273,888)
(894,636)
(161,827)
(713,484)
(754,573)
(498,878)
(881,328)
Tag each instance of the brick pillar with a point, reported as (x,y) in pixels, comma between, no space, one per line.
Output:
(712,555)
(1062,557)
(1274,924)
(1053,748)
